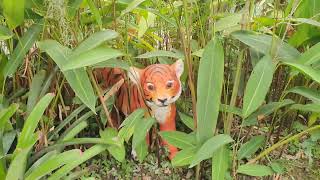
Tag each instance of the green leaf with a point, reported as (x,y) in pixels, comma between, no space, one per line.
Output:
(277,167)
(38,163)
(262,43)
(95,12)
(220,163)
(142,27)
(306,21)
(311,56)
(35,89)
(116,149)
(75,131)
(179,139)
(78,78)
(112,63)
(25,138)
(228,22)
(309,93)
(255,170)
(54,163)
(264,111)
(21,49)
(132,6)
(307,107)
(187,120)
(184,157)
(129,124)
(250,147)
(161,53)
(141,129)
(209,147)
(211,74)
(18,165)
(13,11)
(141,150)
(90,57)
(95,40)
(5,33)
(230,109)
(258,85)
(93,151)
(308,70)
(6,114)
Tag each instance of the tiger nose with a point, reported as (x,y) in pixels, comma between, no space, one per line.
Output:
(163,100)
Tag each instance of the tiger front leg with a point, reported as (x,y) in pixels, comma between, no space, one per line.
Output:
(169,125)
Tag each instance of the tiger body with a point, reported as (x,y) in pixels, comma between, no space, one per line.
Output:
(155,88)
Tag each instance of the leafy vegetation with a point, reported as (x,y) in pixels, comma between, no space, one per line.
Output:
(250,101)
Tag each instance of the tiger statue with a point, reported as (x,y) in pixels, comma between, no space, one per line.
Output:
(155,88)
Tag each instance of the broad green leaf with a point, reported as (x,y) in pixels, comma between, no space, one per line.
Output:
(75,131)
(95,40)
(78,78)
(142,27)
(228,22)
(141,129)
(35,90)
(5,33)
(209,147)
(113,63)
(255,170)
(132,6)
(265,110)
(230,109)
(13,11)
(128,125)
(258,85)
(307,107)
(311,56)
(184,157)
(187,120)
(250,147)
(21,49)
(32,121)
(309,93)
(306,21)
(41,160)
(141,150)
(277,167)
(6,114)
(161,53)
(95,12)
(18,165)
(89,153)
(305,69)
(7,141)
(220,163)
(90,57)
(262,43)
(54,163)
(198,53)
(179,139)
(73,6)
(117,149)
(211,74)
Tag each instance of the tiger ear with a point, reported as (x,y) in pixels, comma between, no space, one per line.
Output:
(134,74)
(178,66)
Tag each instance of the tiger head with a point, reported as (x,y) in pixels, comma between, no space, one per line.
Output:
(160,83)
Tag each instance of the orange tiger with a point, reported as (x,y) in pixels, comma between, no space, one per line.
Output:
(155,87)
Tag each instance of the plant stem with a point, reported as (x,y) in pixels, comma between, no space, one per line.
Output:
(95,85)
(283,142)
(235,89)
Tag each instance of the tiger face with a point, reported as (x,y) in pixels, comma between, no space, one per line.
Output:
(160,83)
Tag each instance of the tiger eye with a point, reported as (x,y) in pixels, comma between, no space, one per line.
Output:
(150,87)
(169,84)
